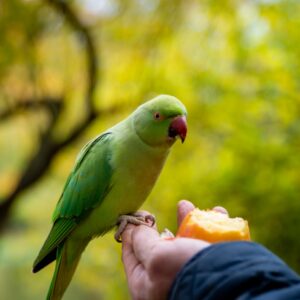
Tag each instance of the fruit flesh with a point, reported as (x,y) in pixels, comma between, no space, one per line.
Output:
(213,226)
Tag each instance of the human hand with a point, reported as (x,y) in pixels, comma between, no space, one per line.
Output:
(151,262)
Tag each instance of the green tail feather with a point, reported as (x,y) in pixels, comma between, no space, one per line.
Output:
(68,256)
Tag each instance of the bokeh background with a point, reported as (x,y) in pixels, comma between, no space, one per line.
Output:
(70,69)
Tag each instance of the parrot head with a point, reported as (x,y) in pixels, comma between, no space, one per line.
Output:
(160,121)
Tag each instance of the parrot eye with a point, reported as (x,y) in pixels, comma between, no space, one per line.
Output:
(157,116)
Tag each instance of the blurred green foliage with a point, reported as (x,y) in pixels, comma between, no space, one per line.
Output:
(235,64)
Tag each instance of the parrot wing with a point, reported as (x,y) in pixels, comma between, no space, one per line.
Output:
(85,189)
(89,182)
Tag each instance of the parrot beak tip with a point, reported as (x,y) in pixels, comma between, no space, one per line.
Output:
(178,127)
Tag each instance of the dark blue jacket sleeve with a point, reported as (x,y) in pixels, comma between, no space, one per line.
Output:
(236,270)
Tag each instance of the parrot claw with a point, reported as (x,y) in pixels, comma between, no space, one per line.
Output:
(145,218)
(150,218)
(135,219)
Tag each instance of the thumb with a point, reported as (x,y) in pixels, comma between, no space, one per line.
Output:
(183,208)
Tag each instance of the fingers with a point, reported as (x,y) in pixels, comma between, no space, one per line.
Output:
(136,240)
(144,239)
(128,257)
(183,208)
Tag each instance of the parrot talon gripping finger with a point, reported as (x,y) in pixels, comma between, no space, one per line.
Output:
(147,218)
(150,218)
(135,219)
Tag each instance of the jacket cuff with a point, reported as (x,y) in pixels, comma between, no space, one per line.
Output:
(230,270)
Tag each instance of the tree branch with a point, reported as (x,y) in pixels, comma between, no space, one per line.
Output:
(52,105)
(40,162)
(84,36)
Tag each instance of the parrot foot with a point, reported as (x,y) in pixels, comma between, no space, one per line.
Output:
(135,219)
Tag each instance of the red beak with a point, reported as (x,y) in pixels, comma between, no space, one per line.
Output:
(178,127)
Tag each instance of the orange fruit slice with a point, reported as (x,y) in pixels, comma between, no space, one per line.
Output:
(213,226)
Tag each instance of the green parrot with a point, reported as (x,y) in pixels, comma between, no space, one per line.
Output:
(113,175)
